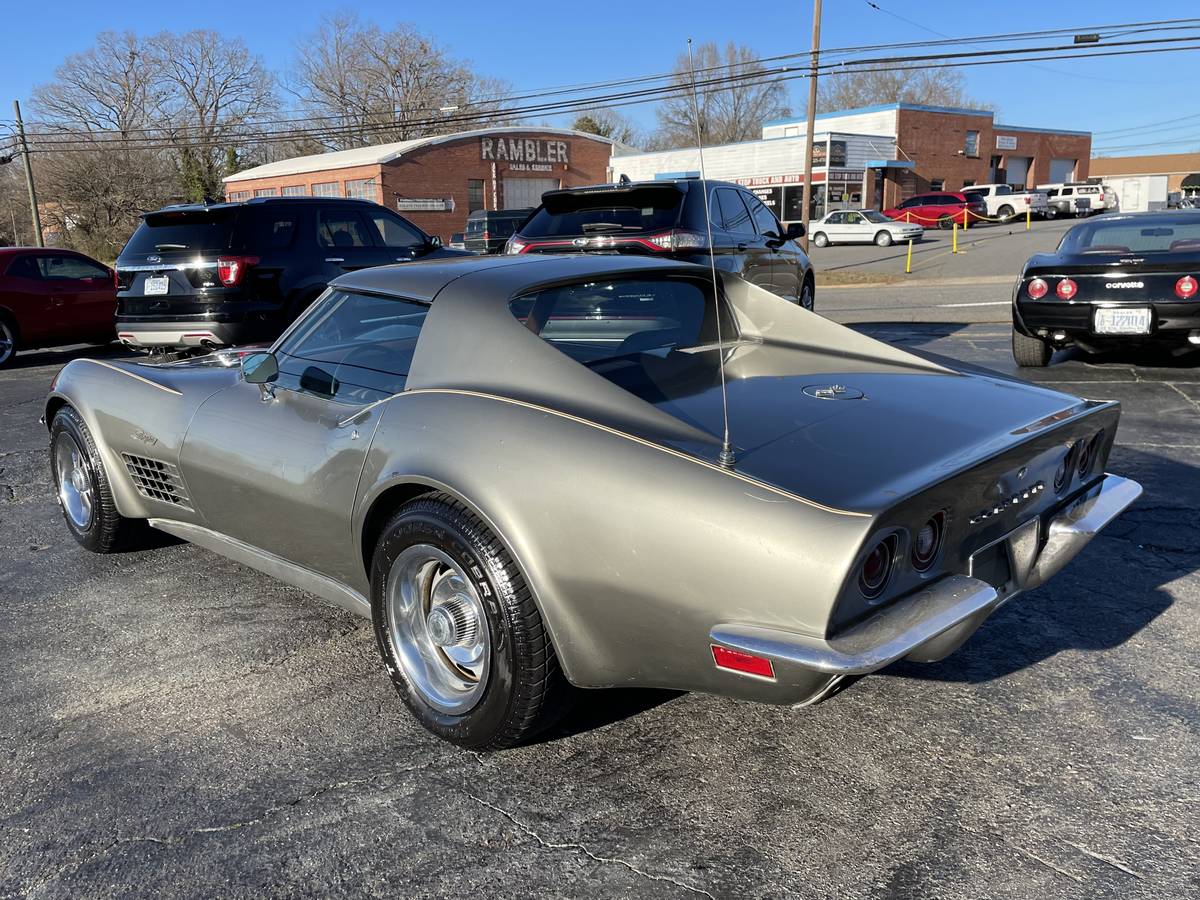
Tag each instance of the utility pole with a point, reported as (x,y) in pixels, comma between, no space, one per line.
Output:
(812,120)
(33,207)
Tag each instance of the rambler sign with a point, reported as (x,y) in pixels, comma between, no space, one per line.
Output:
(527,154)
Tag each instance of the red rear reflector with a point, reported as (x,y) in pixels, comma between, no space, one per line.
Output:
(1066,289)
(736,661)
(1186,287)
(1037,289)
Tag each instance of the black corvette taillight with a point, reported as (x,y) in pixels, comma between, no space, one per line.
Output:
(1186,287)
(1037,289)
(928,542)
(1066,289)
(876,569)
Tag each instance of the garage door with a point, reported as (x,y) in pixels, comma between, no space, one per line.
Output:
(522,192)
(1062,170)
(1016,170)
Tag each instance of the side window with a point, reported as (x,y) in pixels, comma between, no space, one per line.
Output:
(764,220)
(1067,192)
(342,229)
(268,229)
(910,203)
(352,348)
(734,215)
(395,232)
(1052,192)
(853,218)
(69,267)
(837,218)
(25,267)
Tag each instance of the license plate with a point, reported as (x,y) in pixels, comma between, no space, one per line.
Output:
(1124,321)
(156,285)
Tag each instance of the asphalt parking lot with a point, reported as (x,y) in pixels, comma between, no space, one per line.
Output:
(177,725)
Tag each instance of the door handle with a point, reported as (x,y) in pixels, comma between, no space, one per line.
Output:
(56,300)
(741,247)
(335,259)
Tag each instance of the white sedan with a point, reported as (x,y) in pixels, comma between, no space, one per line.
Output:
(861,226)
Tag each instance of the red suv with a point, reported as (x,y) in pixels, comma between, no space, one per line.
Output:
(940,209)
(51,297)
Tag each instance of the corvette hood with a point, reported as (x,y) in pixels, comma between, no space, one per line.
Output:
(864,437)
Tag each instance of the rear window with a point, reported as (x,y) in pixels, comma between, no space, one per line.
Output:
(606,212)
(192,231)
(1138,237)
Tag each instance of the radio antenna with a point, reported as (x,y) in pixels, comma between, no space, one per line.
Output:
(726,457)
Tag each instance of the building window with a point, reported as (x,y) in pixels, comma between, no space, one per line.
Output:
(791,131)
(937,184)
(361,189)
(327,189)
(266,192)
(971,145)
(968,182)
(295,190)
(239,195)
(474,194)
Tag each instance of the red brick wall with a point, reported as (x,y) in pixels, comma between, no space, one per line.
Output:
(442,171)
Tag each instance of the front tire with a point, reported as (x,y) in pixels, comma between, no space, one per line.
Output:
(883,239)
(8,342)
(84,491)
(1030,352)
(1007,213)
(820,240)
(459,633)
(807,294)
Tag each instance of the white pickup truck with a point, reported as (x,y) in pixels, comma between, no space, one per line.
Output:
(1006,204)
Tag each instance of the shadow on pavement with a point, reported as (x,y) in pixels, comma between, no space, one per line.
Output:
(60,356)
(596,709)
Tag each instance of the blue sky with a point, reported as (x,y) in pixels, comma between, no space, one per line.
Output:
(534,45)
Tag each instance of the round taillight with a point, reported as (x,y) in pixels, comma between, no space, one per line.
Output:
(1062,477)
(1186,287)
(1037,289)
(1066,289)
(877,569)
(1083,456)
(927,543)
(1090,453)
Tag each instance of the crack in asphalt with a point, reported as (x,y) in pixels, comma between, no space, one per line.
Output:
(1115,863)
(1194,404)
(580,848)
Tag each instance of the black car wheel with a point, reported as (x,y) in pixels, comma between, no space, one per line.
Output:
(8,342)
(1030,352)
(807,294)
(820,240)
(84,492)
(883,239)
(945,223)
(1006,212)
(458,630)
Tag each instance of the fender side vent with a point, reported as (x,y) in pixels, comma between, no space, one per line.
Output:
(157,480)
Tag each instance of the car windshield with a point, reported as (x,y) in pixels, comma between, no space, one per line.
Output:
(1160,235)
(606,212)
(184,231)
(872,215)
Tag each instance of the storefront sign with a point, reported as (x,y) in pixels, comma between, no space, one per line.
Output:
(425,204)
(771,197)
(846,175)
(1006,142)
(770,180)
(837,154)
(529,151)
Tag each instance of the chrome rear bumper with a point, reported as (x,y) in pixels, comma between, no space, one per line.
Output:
(930,624)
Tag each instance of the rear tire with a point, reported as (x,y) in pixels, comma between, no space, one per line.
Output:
(883,239)
(84,491)
(820,240)
(8,341)
(945,223)
(1030,352)
(439,576)
(808,292)
(1007,213)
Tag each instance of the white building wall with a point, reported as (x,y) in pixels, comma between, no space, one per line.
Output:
(881,121)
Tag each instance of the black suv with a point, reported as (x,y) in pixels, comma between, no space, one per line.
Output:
(667,217)
(235,273)
(489,229)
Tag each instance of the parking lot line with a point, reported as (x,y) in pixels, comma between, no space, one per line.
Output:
(985,303)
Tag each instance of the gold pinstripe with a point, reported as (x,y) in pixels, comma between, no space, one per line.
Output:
(143,379)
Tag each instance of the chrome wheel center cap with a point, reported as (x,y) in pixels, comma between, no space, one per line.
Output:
(79,481)
(453,623)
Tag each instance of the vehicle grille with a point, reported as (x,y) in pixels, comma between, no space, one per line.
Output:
(157,480)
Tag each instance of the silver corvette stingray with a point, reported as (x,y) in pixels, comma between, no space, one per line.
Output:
(513,466)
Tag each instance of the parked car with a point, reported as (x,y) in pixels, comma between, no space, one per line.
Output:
(50,297)
(1116,280)
(940,209)
(234,273)
(1006,204)
(1066,207)
(488,230)
(457,241)
(1097,196)
(522,485)
(862,226)
(667,218)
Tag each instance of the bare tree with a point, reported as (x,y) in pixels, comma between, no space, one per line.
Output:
(211,88)
(931,86)
(371,86)
(732,109)
(608,122)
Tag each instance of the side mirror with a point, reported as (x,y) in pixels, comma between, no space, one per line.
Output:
(260,368)
(435,242)
(793,231)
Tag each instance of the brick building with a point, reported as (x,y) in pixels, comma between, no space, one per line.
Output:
(877,156)
(437,181)
(1182,169)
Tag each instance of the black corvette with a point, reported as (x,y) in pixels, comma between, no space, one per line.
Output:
(1113,279)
